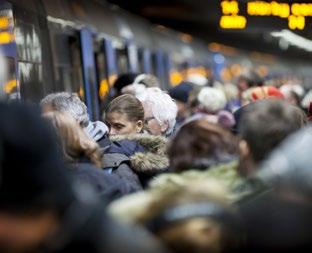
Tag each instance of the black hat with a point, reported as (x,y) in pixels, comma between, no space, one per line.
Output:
(32,173)
(181,92)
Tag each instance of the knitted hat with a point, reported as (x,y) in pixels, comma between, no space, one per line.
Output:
(181,92)
(266,92)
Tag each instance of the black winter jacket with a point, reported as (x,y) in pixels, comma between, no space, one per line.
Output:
(109,186)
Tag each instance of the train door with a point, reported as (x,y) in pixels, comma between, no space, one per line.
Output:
(74,67)
(9,87)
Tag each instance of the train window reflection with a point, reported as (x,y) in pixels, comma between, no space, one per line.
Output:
(9,83)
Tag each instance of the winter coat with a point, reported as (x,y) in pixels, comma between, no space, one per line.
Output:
(130,208)
(226,174)
(109,186)
(86,227)
(119,164)
(147,154)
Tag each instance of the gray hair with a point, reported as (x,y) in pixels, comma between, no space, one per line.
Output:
(163,107)
(69,103)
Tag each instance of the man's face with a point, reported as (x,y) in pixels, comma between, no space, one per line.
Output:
(151,125)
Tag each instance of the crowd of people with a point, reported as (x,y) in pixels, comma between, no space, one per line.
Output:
(204,167)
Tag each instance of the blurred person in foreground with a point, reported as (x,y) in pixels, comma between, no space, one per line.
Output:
(264,124)
(279,219)
(160,112)
(40,209)
(190,217)
(84,157)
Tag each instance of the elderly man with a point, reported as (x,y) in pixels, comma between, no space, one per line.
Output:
(70,103)
(160,112)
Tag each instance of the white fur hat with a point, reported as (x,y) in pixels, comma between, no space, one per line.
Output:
(212,99)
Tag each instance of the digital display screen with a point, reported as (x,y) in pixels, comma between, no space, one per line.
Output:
(239,15)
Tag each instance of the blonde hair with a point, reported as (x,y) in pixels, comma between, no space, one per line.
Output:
(75,142)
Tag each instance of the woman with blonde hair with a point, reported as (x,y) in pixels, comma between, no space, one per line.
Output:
(84,156)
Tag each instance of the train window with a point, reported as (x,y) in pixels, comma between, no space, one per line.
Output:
(154,64)
(67,59)
(9,82)
(30,75)
(76,66)
(101,72)
(141,60)
(122,60)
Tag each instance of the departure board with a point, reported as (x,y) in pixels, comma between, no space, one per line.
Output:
(235,14)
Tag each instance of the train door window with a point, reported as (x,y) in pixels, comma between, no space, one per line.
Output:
(67,59)
(8,79)
(154,64)
(122,60)
(144,60)
(101,71)
(76,84)
(141,68)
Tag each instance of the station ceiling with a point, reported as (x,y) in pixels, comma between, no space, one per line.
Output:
(201,18)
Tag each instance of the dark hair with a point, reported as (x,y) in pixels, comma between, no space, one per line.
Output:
(129,105)
(124,80)
(199,145)
(266,123)
(251,78)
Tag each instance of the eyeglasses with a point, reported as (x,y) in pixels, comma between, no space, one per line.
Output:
(148,119)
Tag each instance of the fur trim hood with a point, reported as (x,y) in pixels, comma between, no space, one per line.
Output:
(226,174)
(154,159)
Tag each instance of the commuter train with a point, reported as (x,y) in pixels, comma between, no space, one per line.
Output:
(82,45)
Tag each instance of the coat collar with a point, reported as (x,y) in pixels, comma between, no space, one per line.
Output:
(154,159)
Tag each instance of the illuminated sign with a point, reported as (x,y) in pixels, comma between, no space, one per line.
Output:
(295,13)
(233,22)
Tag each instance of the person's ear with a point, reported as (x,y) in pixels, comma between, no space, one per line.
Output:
(139,126)
(164,126)
(244,149)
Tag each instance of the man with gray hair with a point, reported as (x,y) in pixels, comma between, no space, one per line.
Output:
(160,111)
(70,103)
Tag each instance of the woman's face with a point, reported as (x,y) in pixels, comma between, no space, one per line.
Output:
(119,124)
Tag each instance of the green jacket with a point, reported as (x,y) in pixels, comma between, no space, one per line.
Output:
(226,174)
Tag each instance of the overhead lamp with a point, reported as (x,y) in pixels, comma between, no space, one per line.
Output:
(293,39)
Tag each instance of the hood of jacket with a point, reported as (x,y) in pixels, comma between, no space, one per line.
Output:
(96,130)
(226,174)
(152,159)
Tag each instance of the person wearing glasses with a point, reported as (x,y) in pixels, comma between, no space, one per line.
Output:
(160,112)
